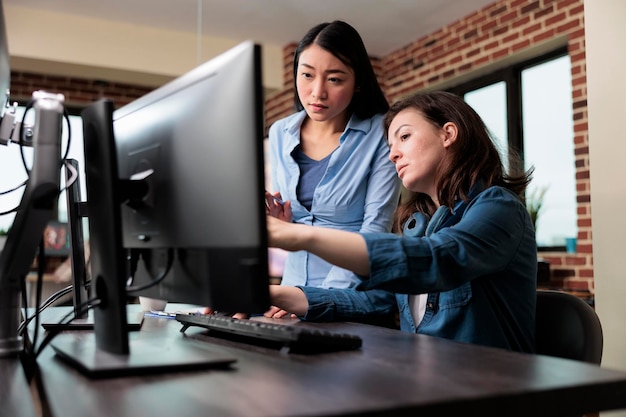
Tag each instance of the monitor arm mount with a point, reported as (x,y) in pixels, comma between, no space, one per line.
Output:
(11,130)
(36,209)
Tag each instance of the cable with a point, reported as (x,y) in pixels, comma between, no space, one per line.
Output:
(17,187)
(131,290)
(29,359)
(14,209)
(9,211)
(41,260)
(14,188)
(49,301)
(29,105)
(66,116)
(25,347)
(74,176)
(84,307)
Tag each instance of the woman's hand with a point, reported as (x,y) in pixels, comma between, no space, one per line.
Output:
(339,247)
(278,313)
(287,300)
(285,235)
(278,208)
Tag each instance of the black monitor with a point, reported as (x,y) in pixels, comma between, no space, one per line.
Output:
(176,176)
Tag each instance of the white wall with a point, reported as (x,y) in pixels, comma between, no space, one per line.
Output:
(605,28)
(69,45)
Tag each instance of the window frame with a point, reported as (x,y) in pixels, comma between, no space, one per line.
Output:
(512,78)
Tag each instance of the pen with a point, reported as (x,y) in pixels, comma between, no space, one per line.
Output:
(162,314)
(278,200)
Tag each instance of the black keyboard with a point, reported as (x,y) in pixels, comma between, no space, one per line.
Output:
(294,338)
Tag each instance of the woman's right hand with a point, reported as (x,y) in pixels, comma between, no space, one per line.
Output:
(275,207)
(282,234)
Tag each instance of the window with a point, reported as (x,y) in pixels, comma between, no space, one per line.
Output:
(528,109)
(14,173)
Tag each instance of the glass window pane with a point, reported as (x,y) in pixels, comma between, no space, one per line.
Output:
(490,103)
(549,147)
(14,173)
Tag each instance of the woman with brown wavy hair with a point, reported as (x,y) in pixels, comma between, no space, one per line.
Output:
(464,266)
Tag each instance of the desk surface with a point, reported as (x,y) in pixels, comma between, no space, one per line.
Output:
(15,395)
(393,372)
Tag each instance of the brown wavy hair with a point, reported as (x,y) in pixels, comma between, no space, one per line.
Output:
(473,158)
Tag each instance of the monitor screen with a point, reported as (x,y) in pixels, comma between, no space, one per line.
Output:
(177,176)
(56,239)
(197,145)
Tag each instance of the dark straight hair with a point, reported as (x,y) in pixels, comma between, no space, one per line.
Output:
(344,42)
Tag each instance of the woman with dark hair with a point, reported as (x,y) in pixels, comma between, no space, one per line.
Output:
(465,265)
(343,42)
(329,161)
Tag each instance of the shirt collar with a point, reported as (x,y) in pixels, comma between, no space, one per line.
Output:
(461,205)
(293,127)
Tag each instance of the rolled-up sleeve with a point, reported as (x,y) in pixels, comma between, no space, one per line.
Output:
(488,237)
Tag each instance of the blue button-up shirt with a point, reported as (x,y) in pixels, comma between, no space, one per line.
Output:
(358,192)
(478,265)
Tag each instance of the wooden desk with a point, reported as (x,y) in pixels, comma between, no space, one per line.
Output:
(397,372)
(15,395)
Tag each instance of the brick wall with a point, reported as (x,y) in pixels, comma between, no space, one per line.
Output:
(280,103)
(500,34)
(78,92)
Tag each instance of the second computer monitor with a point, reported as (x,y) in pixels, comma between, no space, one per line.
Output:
(197,143)
(177,176)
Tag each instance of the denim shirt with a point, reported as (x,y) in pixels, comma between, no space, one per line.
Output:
(478,265)
(358,192)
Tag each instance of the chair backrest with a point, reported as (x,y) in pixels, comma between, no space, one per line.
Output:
(567,327)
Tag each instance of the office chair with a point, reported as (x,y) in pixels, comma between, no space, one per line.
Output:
(567,327)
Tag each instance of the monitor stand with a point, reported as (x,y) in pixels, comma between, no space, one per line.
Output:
(76,211)
(133,322)
(148,355)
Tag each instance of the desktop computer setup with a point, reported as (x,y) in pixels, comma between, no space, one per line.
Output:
(175,194)
(160,185)
(175,203)
(153,170)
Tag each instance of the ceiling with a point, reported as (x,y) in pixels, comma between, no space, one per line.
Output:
(385,25)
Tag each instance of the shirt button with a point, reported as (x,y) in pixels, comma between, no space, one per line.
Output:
(430,306)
